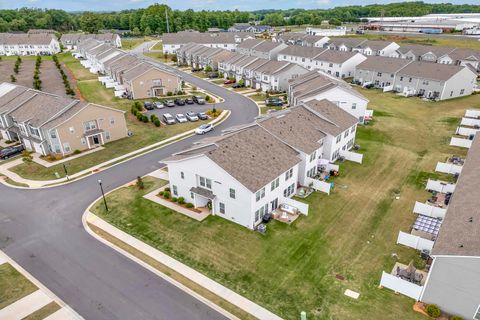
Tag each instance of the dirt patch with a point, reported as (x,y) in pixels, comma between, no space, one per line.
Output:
(52,81)
(24,76)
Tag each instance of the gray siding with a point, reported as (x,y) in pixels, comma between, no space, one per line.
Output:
(454,285)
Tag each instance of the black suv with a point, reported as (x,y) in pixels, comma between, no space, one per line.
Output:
(148,105)
(10,151)
(179,102)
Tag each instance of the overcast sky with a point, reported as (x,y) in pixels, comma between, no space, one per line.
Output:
(115,5)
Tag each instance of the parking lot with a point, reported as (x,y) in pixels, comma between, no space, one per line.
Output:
(179,109)
(51,79)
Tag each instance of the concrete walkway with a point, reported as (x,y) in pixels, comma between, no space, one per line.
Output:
(152,196)
(160,174)
(191,274)
(62,314)
(4,168)
(25,306)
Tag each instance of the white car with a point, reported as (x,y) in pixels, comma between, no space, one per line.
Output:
(192,116)
(204,128)
(181,118)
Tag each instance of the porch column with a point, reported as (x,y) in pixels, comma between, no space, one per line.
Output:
(88,142)
(101,138)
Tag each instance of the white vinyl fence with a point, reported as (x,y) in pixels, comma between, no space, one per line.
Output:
(470,122)
(472,113)
(402,286)
(464,131)
(302,207)
(440,186)
(459,142)
(319,185)
(448,168)
(414,242)
(428,210)
(352,156)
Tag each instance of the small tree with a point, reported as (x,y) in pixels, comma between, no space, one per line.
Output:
(208,69)
(12,78)
(140,184)
(27,157)
(456,318)
(433,310)
(208,98)
(145,118)
(157,122)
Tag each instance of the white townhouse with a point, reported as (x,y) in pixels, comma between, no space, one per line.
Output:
(340,64)
(421,53)
(462,57)
(344,44)
(22,44)
(228,66)
(316,85)
(379,71)
(265,49)
(376,48)
(240,175)
(223,40)
(70,41)
(273,75)
(301,39)
(435,80)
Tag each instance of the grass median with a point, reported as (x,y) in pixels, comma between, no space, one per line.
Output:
(350,234)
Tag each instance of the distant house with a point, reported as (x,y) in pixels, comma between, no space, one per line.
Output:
(223,40)
(246,27)
(70,41)
(463,57)
(421,53)
(376,48)
(22,44)
(301,39)
(260,48)
(41,31)
(316,85)
(340,31)
(50,124)
(379,71)
(344,44)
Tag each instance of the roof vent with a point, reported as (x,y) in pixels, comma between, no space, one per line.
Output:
(471,219)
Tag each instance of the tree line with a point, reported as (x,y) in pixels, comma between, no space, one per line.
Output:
(153,19)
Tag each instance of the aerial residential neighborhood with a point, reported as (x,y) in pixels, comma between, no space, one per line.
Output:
(251,160)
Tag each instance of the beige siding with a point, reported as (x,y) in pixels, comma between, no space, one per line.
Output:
(142,86)
(117,130)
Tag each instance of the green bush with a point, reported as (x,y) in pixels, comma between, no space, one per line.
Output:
(167,189)
(181,200)
(153,117)
(189,205)
(144,118)
(138,105)
(456,318)
(174,199)
(161,193)
(208,98)
(157,122)
(166,195)
(140,184)
(76,151)
(139,116)
(169,93)
(433,310)
(12,78)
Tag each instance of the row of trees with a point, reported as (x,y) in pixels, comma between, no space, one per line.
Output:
(153,19)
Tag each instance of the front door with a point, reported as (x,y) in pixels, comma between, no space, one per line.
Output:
(96,140)
(274,204)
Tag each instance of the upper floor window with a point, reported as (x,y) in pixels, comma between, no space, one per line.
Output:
(112,120)
(354,106)
(90,125)
(260,194)
(288,174)
(232,193)
(339,137)
(275,183)
(313,156)
(206,183)
(182,175)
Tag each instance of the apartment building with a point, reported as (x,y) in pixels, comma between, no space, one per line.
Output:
(264,49)
(301,39)
(70,41)
(22,44)
(223,40)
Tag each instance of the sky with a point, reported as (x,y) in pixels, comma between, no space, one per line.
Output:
(247,5)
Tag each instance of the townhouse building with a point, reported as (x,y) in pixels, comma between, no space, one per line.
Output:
(223,40)
(70,41)
(301,39)
(278,153)
(272,75)
(376,48)
(246,27)
(233,67)
(462,57)
(264,49)
(316,85)
(344,44)
(379,71)
(50,124)
(22,44)
(421,53)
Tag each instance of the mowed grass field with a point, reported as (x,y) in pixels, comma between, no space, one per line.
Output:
(351,233)
(144,134)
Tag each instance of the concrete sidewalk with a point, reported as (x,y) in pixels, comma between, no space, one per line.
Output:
(193,275)
(4,168)
(25,306)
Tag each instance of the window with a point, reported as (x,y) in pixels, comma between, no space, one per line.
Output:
(90,125)
(289,191)
(354,106)
(112,120)
(222,207)
(462,91)
(313,156)
(53,134)
(288,174)
(275,183)
(57,148)
(182,175)
(107,135)
(66,147)
(353,129)
(345,134)
(191,195)
(379,74)
(71,130)
(34,131)
(339,137)
(206,183)
(401,78)
(257,215)
(232,193)
(175,190)
(83,141)
(410,80)
(451,93)
(260,194)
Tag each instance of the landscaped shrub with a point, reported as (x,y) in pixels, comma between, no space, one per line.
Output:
(189,205)
(174,199)
(169,93)
(27,156)
(166,195)
(181,200)
(138,105)
(139,116)
(208,98)
(140,184)
(180,93)
(167,189)
(208,69)
(456,318)
(157,122)
(153,117)
(194,88)
(76,151)
(433,310)
(144,118)
(161,193)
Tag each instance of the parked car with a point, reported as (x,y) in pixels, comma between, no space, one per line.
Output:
(169,103)
(10,151)
(202,116)
(179,102)
(198,99)
(230,81)
(238,85)
(181,118)
(168,118)
(212,75)
(192,116)
(275,102)
(189,101)
(148,105)
(159,105)
(204,128)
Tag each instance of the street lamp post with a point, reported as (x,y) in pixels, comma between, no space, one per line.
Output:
(103,194)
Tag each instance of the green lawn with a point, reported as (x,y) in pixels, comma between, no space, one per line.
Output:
(13,285)
(130,43)
(44,312)
(158,46)
(258,97)
(143,134)
(158,56)
(351,233)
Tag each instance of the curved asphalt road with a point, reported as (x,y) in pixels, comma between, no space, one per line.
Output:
(42,231)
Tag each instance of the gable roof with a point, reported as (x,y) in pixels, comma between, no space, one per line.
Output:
(383,64)
(301,51)
(336,56)
(336,120)
(430,70)
(420,50)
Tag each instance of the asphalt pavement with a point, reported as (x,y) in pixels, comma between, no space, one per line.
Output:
(42,230)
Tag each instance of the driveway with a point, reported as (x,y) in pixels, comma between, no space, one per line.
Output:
(43,232)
